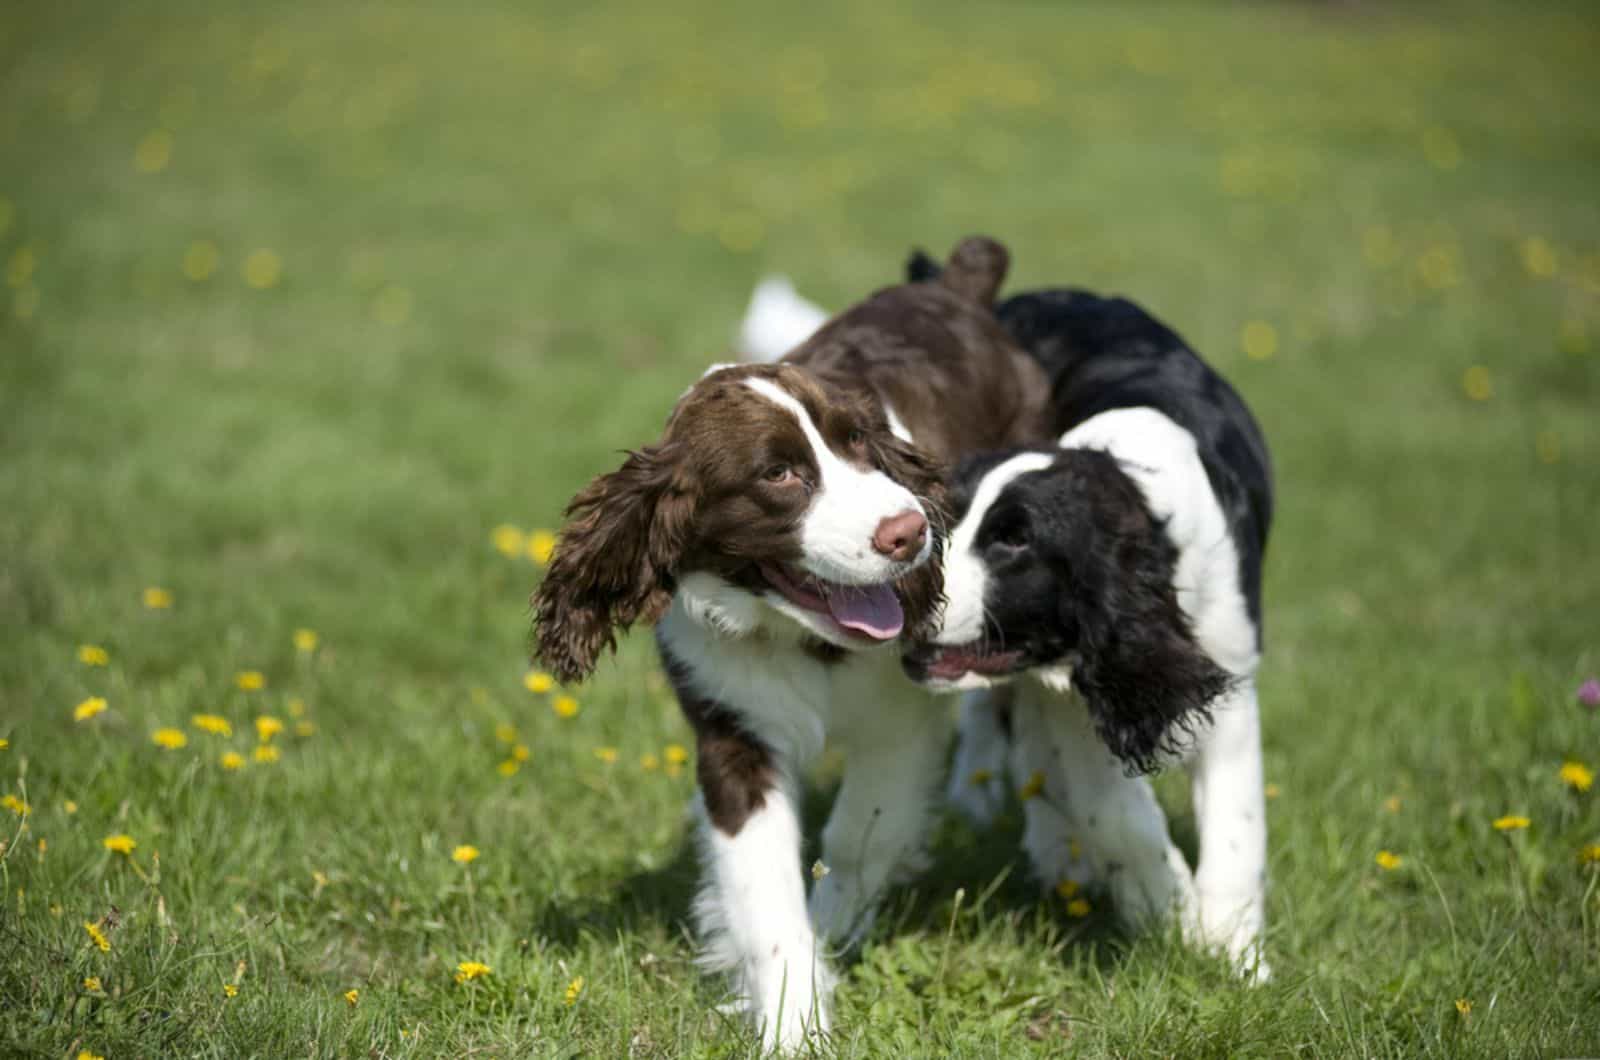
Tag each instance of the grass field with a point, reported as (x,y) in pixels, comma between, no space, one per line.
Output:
(302,302)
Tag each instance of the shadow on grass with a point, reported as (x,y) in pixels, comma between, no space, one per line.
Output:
(987,866)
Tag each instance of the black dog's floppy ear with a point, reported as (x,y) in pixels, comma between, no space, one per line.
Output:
(1147,682)
(976,269)
(615,562)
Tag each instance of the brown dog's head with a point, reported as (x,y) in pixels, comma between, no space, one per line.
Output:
(771,496)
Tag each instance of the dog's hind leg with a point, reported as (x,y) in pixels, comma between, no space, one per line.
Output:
(977,785)
(1119,826)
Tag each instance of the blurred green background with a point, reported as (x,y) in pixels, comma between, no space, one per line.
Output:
(301,302)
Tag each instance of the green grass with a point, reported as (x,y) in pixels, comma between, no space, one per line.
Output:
(507,238)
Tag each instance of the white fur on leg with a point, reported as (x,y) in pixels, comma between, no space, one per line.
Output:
(1121,829)
(894,740)
(777,321)
(751,912)
(1231,811)
(977,785)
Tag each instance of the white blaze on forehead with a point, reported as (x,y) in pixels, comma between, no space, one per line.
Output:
(966,580)
(847,505)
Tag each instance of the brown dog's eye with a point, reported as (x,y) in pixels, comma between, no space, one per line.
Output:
(778,474)
(857,439)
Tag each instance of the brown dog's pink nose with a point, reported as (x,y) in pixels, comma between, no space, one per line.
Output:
(900,536)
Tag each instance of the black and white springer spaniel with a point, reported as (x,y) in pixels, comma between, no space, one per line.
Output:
(1104,595)
(784,534)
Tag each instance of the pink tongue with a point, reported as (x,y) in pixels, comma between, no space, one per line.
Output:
(873,610)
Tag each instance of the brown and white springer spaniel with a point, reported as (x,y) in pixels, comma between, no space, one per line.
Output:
(782,534)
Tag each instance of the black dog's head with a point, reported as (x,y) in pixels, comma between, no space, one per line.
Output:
(1057,568)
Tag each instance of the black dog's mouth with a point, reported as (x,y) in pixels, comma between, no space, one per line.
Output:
(869,612)
(940,662)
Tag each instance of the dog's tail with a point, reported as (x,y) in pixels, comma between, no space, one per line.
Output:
(777,321)
(976,269)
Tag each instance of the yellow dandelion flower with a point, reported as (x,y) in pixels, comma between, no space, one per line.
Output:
(1590,854)
(92,984)
(1259,340)
(1477,384)
(819,870)
(608,755)
(464,854)
(1033,787)
(93,655)
(1511,823)
(297,707)
(266,753)
(1078,907)
(4,743)
(120,844)
(1539,257)
(153,152)
(1577,776)
(351,997)
(564,706)
(200,261)
(1272,791)
(675,754)
(466,971)
(1392,804)
(304,728)
(541,546)
(230,990)
(1068,889)
(263,269)
(16,805)
(70,807)
(84,1054)
(89,708)
(267,727)
(306,640)
(649,762)
(520,753)
(157,598)
(392,305)
(574,990)
(980,777)
(508,540)
(508,768)
(171,739)
(538,682)
(1387,861)
(19,270)
(232,760)
(215,724)
(1441,148)
(97,936)
(505,732)
(1463,1007)
(250,680)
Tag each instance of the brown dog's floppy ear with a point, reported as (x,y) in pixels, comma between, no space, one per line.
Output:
(615,563)
(976,269)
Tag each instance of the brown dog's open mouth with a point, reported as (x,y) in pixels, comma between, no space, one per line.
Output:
(869,611)
(953,663)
